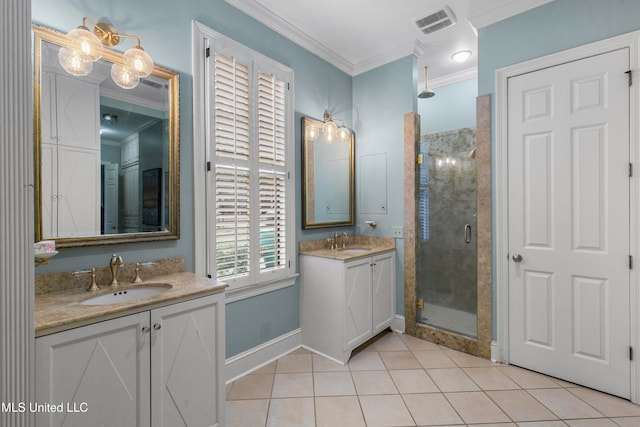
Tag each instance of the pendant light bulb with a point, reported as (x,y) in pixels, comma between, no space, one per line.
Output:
(343,134)
(123,77)
(313,133)
(74,63)
(85,43)
(330,128)
(138,62)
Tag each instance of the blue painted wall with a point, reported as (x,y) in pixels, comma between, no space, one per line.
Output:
(453,107)
(381,98)
(164,27)
(554,27)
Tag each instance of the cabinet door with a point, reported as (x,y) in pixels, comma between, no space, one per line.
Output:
(187,354)
(49,189)
(357,302)
(78,192)
(77,113)
(383,290)
(102,369)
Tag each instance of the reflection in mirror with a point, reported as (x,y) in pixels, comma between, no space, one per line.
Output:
(106,157)
(328,178)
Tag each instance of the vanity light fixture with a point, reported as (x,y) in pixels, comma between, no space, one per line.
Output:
(86,47)
(331,131)
(461,56)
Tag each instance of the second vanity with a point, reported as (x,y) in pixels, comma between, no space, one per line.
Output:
(347,294)
(153,361)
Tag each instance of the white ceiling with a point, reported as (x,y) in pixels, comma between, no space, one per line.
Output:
(359,35)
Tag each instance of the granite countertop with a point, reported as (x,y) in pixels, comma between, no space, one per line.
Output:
(59,311)
(368,246)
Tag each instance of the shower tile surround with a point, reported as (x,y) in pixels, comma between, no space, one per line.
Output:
(482,345)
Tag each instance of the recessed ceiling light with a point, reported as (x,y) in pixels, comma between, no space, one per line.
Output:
(461,56)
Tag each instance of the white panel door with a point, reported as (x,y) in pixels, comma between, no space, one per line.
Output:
(110,198)
(569,274)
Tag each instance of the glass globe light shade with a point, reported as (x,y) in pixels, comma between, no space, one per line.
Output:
(123,77)
(138,61)
(313,133)
(73,62)
(86,43)
(330,128)
(343,134)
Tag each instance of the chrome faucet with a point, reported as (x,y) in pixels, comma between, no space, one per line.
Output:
(345,237)
(114,265)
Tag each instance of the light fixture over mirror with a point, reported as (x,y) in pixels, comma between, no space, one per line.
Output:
(328,171)
(329,130)
(86,47)
(106,159)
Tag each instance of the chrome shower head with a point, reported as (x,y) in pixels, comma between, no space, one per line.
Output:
(426,93)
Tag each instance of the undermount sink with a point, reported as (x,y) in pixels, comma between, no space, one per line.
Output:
(354,250)
(128,294)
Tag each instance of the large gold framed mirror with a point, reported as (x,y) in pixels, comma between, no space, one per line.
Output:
(328,178)
(106,158)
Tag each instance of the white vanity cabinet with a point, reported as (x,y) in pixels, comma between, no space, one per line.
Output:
(344,303)
(162,367)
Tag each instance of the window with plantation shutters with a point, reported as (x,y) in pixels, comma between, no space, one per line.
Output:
(251,143)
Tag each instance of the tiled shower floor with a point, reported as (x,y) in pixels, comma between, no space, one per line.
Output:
(403,381)
(450,319)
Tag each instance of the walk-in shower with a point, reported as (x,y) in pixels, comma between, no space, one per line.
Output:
(446,252)
(447,244)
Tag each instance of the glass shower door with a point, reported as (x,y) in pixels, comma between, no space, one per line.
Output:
(446,256)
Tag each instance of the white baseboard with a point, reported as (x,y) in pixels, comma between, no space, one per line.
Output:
(257,357)
(398,324)
(495,353)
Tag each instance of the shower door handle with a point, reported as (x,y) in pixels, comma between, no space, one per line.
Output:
(467,233)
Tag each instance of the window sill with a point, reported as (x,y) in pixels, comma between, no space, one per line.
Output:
(247,291)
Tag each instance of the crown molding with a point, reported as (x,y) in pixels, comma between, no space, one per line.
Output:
(291,32)
(414,48)
(449,79)
(514,7)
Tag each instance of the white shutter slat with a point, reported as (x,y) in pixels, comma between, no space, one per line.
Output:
(272,221)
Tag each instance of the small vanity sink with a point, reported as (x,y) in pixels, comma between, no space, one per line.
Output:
(354,250)
(128,294)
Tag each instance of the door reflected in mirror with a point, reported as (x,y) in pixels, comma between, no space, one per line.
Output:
(106,157)
(328,178)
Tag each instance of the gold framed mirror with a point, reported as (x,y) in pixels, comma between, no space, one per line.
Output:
(106,158)
(328,190)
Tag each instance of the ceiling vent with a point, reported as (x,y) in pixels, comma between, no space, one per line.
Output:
(436,21)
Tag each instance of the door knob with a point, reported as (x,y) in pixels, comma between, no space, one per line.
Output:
(517,257)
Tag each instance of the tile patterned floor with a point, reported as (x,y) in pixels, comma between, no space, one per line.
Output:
(403,381)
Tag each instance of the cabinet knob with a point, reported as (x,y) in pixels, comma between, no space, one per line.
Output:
(145,329)
(157,326)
